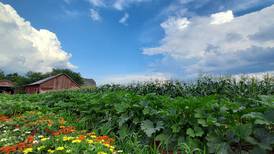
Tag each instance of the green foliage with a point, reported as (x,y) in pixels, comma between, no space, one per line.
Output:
(2,75)
(196,120)
(35,76)
(148,127)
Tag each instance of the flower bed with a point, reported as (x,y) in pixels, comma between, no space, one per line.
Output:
(35,132)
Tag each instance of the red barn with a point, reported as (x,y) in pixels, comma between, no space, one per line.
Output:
(57,82)
(6,87)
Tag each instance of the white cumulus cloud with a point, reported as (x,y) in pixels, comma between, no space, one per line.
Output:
(220,43)
(24,48)
(95,16)
(221,18)
(124,19)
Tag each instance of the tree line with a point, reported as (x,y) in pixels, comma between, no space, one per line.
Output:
(30,77)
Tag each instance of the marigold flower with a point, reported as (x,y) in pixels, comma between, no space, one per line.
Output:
(44,139)
(111,150)
(76,141)
(112,147)
(90,141)
(50,151)
(30,139)
(107,145)
(28,150)
(65,138)
(81,137)
(60,148)
(8,149)
(4,118)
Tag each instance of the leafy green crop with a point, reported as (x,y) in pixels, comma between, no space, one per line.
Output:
(207,117)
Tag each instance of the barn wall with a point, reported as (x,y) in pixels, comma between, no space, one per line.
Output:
(34,89)
(58,83)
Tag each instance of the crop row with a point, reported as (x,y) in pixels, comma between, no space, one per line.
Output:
(204,86)
(154,123)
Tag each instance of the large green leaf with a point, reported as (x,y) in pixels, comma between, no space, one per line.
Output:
(242,131)
(148,127)
(197,132)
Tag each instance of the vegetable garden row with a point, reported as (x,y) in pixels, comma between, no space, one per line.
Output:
(142,119)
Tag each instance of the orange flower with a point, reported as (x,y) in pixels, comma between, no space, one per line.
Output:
(55,133)
(81,137)
(8,149)
(4,118)
(21,146)
(13,148)
(105,139)
(30,139)
(63,130)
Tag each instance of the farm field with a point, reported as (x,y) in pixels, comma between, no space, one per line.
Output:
(208,116)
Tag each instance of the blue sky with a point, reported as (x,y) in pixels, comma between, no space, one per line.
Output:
(118,40)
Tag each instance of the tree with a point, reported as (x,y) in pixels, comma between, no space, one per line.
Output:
(75,76)
(17,79)
(35,76)
(2,75)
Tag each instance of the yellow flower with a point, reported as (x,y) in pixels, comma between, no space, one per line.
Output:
(27,150)
(65,138)
(111,150)
(60,148)
(44,139)
(101,152)
(93,136)
(41,148)
(90,141)
(50,151)
(76,141)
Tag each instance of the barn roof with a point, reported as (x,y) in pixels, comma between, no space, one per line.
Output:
(6,83)
(49,78)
